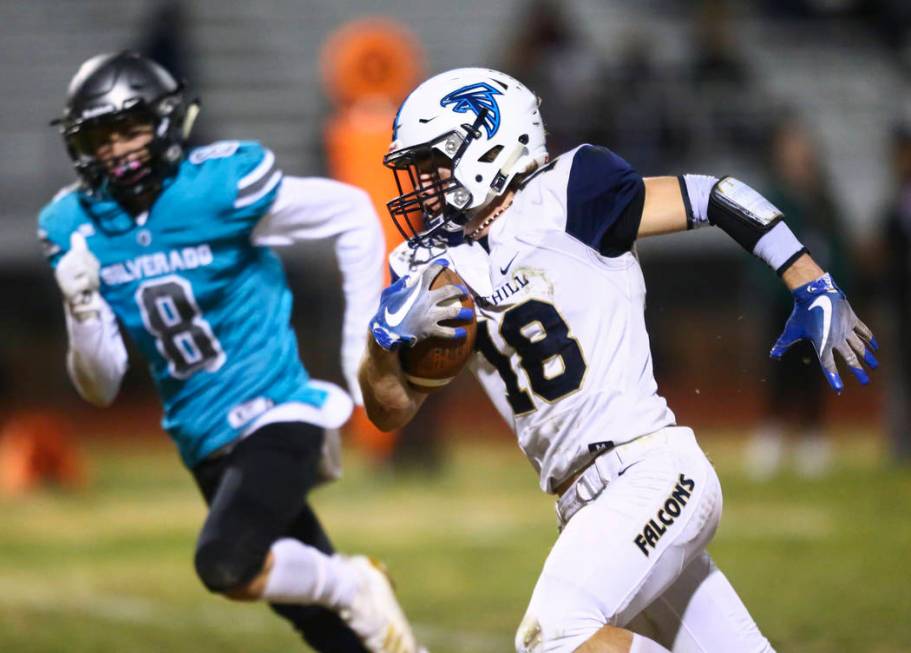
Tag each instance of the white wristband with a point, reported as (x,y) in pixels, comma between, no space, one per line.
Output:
(778,247)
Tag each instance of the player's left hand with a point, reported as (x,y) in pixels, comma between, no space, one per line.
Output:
(823,316)
(77,274)
(410,311)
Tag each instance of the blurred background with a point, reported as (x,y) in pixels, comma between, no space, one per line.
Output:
(807,100)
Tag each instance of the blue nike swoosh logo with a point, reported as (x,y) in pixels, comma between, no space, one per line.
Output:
(506,269)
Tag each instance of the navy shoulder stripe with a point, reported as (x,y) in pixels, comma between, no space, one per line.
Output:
(604,199)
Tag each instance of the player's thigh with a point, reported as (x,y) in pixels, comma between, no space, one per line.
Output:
(261,493)
(621,551)
(701,613)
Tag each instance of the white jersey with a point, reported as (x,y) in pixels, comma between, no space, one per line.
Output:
(562,349)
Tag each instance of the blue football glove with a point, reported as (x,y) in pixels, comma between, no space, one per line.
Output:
(823,316)
(409,311)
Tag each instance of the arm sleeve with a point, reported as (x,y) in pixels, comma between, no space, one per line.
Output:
(604,200)
(313,208)
(96,359)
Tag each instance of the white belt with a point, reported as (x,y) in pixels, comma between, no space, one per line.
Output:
(611,464)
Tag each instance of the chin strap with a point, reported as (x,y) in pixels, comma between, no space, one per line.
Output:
(190,119)
(499,181)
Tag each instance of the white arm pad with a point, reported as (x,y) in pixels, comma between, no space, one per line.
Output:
(744,214)
(97,359)
(314,208)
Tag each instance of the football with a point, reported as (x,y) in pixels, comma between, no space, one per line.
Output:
(434,362)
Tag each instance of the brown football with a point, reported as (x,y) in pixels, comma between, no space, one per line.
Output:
(434,362)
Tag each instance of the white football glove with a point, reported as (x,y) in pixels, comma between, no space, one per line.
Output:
(77,276)
(418,310)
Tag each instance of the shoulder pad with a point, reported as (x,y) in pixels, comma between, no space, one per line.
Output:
(408,260)
(553,175)
(240,178)
(66,190)
(58,219)
(63,210)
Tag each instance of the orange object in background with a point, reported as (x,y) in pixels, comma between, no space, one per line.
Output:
(35,449)
(368,67)
(371,59)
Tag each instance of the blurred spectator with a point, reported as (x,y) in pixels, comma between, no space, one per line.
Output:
(893,19)
(166,38)
(623,104)
(717,60)
(724,85)
(796,390)
(548,55)
(896,292)
(813,8)
(640,110)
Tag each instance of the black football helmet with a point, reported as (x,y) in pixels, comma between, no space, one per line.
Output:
(125,87)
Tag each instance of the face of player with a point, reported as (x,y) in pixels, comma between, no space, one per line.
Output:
(122,147)
(430,172)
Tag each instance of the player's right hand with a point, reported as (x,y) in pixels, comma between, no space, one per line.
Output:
(823,316)
(77,275)
(409,311)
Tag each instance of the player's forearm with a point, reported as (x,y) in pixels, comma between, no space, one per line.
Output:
(361,256)
(313,208)
(96,357)
(801,272)
(388,399)
(96,388)
(361,294)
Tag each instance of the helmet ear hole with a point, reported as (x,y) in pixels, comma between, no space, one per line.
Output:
(490,155)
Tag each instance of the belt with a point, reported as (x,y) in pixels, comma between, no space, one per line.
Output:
(605,468)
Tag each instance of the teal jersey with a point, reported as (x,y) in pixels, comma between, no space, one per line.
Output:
(209,310)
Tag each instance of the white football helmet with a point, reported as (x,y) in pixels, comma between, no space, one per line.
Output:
(483,125)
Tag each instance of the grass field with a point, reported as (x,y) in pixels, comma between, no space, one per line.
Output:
(823,566)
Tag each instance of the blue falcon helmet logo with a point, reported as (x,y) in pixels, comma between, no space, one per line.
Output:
(476,98)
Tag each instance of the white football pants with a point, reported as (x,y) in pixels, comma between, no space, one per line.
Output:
(635,558)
